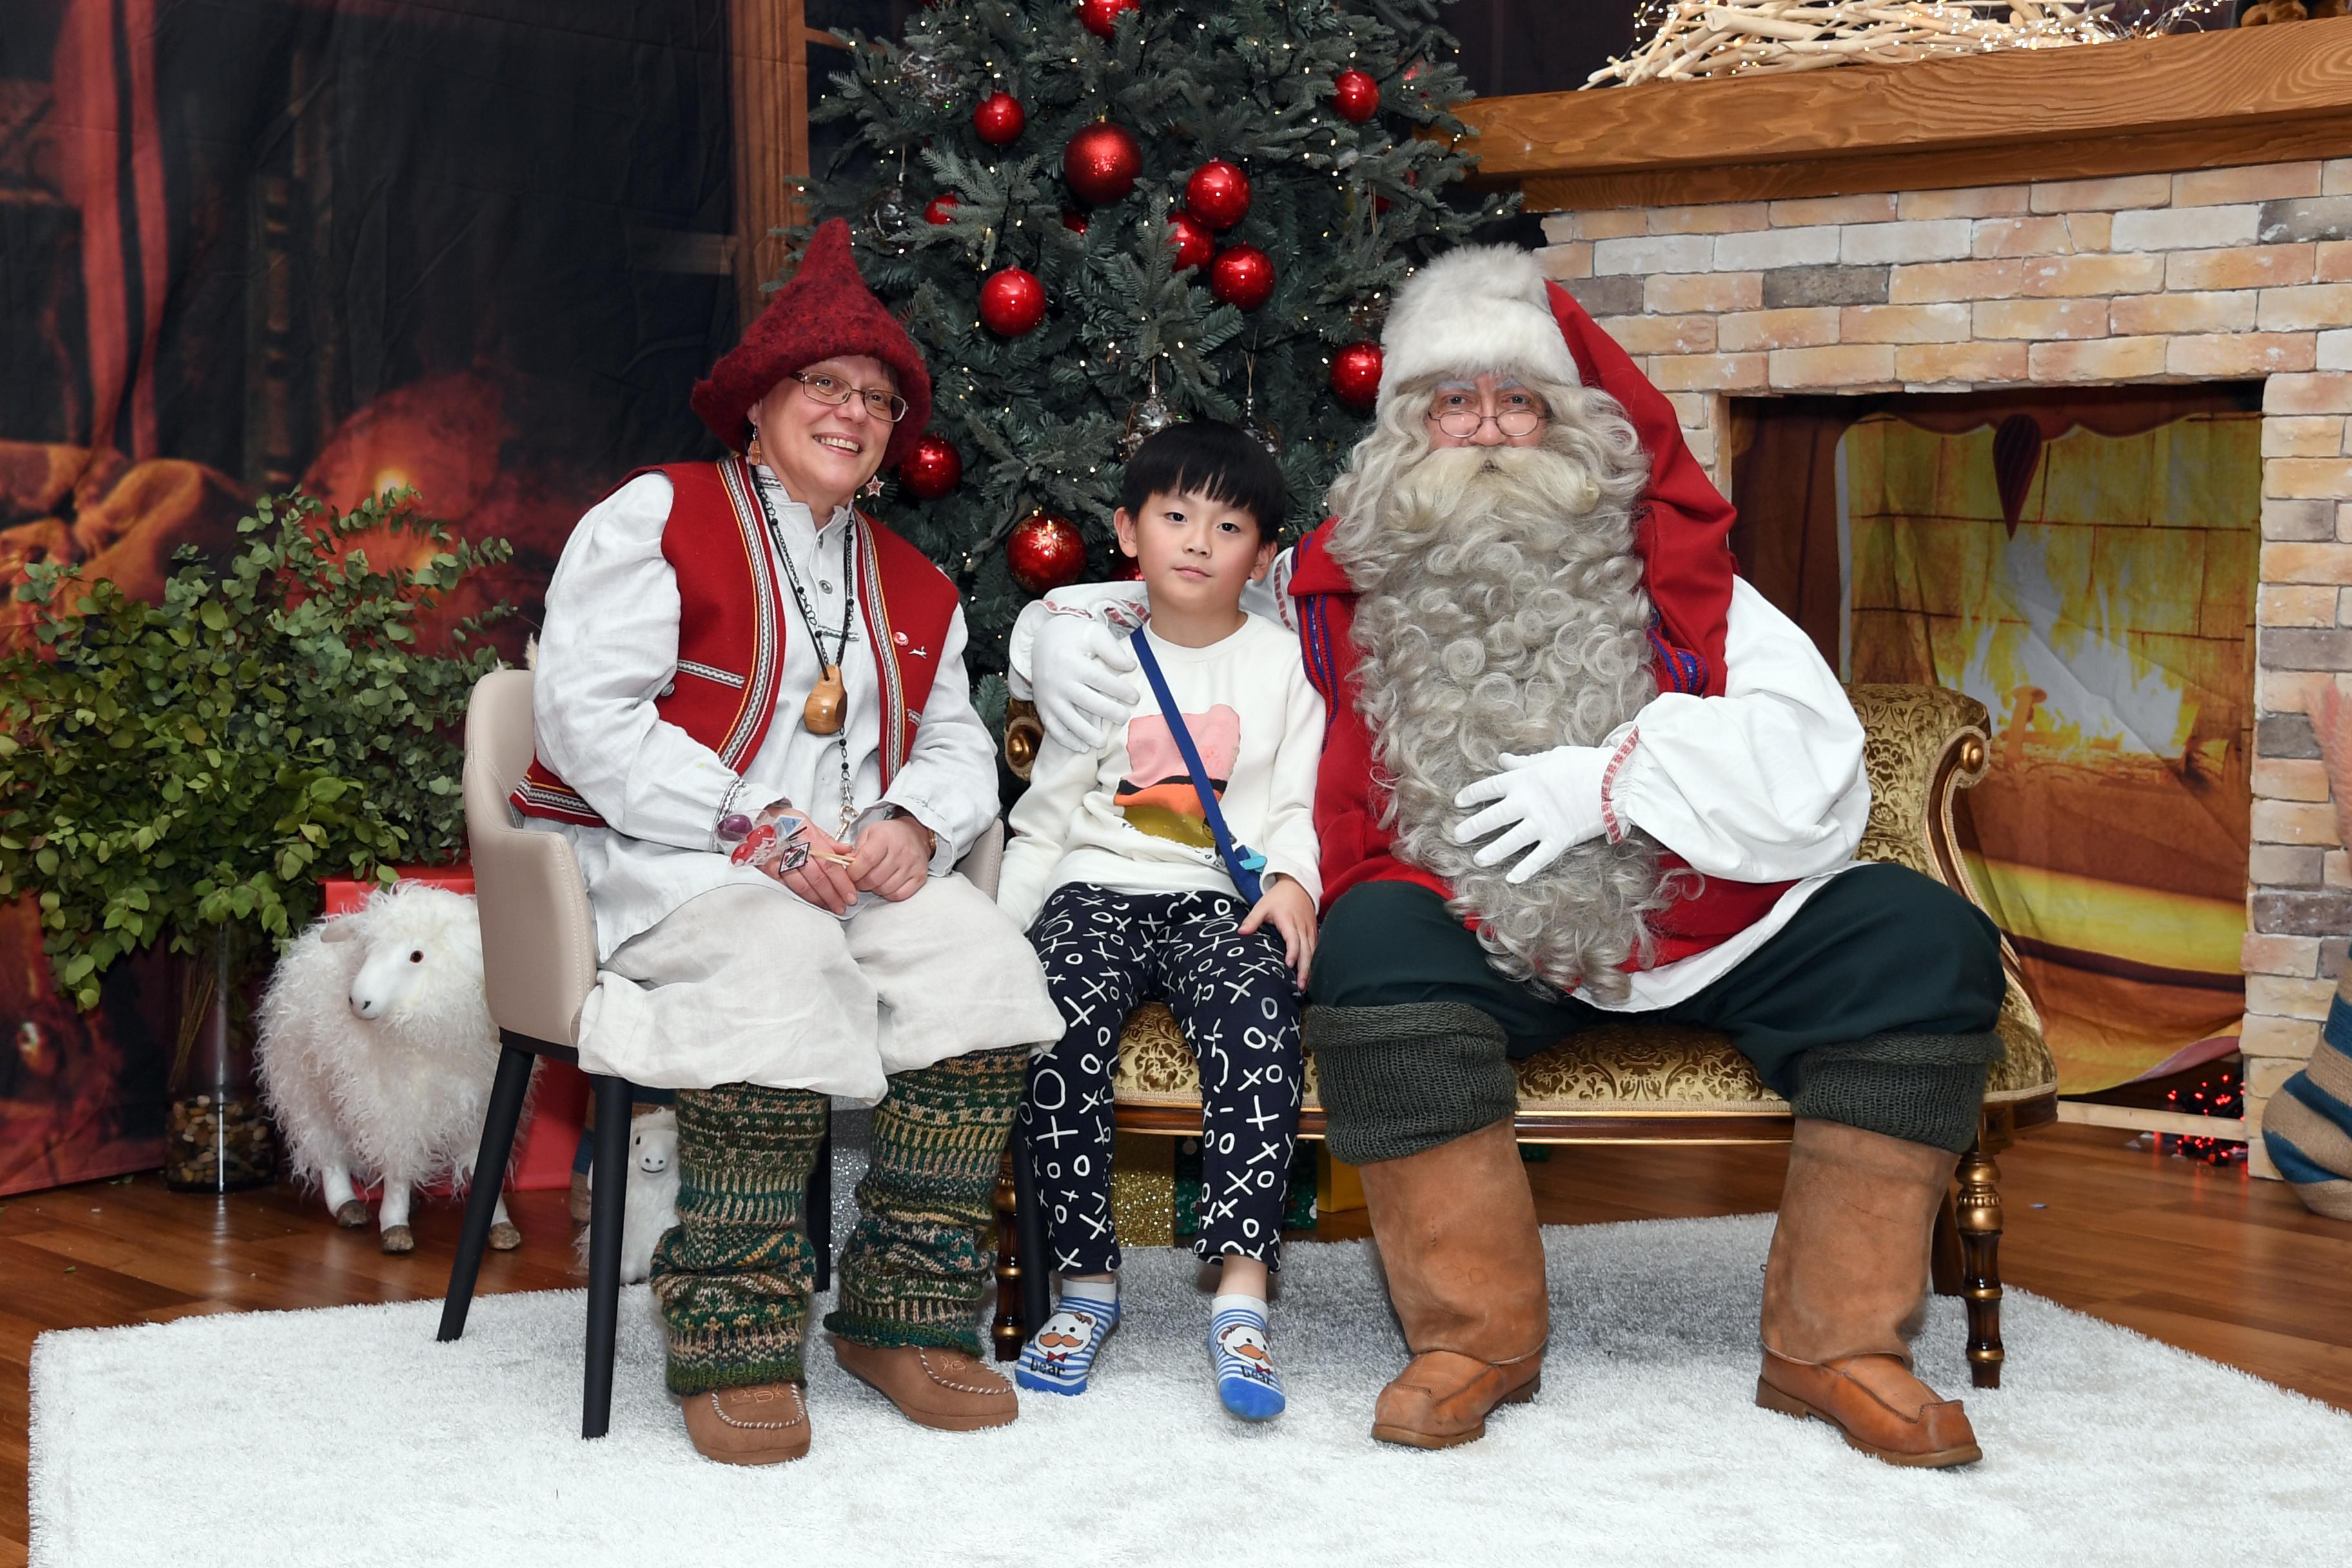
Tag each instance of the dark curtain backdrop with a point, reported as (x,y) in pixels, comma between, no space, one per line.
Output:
(481,247)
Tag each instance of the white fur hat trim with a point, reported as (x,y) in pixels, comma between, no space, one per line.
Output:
(1477,307)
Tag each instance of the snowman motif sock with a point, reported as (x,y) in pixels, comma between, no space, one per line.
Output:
(1247,1383)
(1060,1356)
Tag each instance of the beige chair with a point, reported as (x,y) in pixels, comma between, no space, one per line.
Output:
(1651,1083)
(539,964)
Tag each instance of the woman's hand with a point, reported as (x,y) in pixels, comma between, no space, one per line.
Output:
(784,845)
(892,857)
(1284,905)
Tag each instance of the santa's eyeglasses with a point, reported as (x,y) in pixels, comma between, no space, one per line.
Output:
(880,403)
(1457,419)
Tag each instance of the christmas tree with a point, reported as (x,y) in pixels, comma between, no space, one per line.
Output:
(1098,218)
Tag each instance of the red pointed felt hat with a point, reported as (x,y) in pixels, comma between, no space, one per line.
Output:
(825,310)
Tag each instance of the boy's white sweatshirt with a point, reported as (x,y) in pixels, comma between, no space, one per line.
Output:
(1125,817)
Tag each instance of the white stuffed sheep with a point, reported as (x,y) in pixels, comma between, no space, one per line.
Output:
(376,1052)
(651,1196)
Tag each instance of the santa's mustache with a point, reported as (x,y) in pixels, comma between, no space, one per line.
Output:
(1450,482)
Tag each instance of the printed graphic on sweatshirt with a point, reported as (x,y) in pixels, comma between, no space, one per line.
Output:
(1158,795)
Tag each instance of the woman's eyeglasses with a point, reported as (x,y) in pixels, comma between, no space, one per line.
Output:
(825,389)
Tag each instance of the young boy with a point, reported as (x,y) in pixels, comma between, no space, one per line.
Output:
(1116,874)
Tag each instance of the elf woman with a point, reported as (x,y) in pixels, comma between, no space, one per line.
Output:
(755,728)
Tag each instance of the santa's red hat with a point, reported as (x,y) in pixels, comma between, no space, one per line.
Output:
(827,309)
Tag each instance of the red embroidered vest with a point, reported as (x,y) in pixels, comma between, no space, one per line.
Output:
(735,612)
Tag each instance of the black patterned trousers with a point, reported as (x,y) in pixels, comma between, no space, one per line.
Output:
(1106,952)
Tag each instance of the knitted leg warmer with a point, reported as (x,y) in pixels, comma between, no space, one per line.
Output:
(919,1257)
(732,1278)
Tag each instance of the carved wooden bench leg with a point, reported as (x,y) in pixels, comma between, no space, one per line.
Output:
(1009,1332)
(1977,1218)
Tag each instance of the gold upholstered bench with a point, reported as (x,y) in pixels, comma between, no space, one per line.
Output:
(1641,1083)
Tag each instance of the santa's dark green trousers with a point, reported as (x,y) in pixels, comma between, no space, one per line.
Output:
(1875,1006)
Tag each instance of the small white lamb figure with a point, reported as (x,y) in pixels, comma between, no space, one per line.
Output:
(376,1051)
(651,1205)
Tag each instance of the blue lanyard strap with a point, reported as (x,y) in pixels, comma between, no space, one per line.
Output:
(1241,861)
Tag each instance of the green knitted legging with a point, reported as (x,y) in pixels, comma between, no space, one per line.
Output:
(919,1259)
(733,1279)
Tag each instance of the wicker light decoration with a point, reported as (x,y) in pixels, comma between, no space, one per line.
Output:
(1696,38)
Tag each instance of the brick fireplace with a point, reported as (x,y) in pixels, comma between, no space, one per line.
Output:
(1781,279)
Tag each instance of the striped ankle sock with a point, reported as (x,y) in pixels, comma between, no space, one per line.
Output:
(1247,1383)
(2308,1127)
(1060,1356)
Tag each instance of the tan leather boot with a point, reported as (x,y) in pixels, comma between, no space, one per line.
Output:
(1848,1269)
(1456,1230)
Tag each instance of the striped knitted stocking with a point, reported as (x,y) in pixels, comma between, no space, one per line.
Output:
(919,1257)
(2307,1129)
(732,1278)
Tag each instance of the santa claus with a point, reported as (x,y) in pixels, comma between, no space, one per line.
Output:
(1578,768)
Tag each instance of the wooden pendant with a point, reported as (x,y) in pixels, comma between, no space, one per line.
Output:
(827,703)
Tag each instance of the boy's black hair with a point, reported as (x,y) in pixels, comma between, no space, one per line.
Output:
(1213,458)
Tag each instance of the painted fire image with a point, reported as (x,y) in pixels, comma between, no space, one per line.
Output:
(2093,590)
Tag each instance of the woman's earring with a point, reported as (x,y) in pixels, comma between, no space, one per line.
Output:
(753,451)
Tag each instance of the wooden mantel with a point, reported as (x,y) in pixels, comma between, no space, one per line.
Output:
(2196,101)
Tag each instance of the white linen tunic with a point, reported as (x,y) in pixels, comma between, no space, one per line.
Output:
(610,647)
(1764,783)
(758,985)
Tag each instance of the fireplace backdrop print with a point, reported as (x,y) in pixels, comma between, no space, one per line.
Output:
(2083,565)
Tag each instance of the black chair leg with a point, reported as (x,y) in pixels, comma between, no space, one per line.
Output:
(498,1123)
(1029,1224)
(607,1206)
(818,1217)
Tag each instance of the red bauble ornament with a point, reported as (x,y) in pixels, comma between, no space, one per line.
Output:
(1356,374)
(1241,276)
(1193,243)
(1355,96)
(1130,570)
(1101,162)
(1075,222)
(998,119)
(1045,551)
(940,208)
(1218,193)
(1011,302)
(1100,17)
(932,469)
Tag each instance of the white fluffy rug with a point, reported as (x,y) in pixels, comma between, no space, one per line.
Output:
(348,1437)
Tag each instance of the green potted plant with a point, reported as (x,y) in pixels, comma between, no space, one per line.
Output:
(186,771)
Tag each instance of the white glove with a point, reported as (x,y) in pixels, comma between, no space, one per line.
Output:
(1550,803)
(1076,670)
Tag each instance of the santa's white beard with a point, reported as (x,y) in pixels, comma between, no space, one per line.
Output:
(1500,608)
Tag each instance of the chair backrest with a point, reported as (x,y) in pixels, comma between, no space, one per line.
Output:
(984,861)
(538,939)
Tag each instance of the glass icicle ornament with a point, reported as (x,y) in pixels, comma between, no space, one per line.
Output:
(1146,419)
(1259,430)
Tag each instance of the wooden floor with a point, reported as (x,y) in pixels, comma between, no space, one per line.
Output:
(2208,1260)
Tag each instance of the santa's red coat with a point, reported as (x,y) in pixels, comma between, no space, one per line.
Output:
(1684,537)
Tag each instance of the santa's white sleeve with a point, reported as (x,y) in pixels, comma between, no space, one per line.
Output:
(606,650)
(1058,781)
(1764,783)
(1269,597)
(1270,594)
